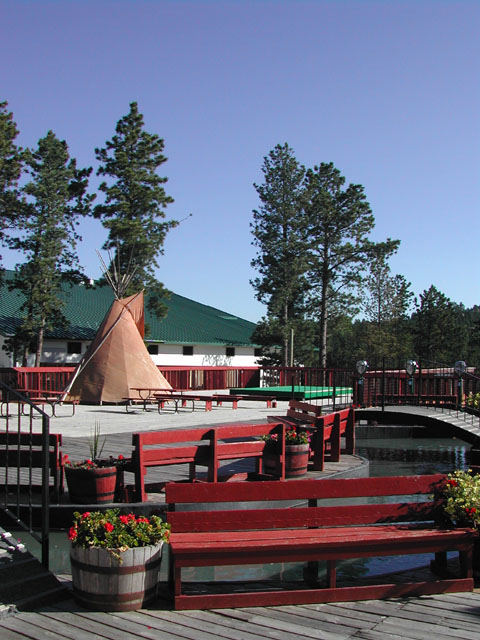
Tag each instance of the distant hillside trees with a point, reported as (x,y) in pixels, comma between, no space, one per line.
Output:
(439,328)
(135,200)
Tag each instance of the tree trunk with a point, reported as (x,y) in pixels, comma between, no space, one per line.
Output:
(285,336)
(323,323)
(38,354)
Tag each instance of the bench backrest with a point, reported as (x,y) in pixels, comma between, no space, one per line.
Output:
(23,449)
(303,411)
(390,492)
(149,446)
(345,417)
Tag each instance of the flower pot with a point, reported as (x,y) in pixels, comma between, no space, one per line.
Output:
(91,486)
(296,460)
(105,582)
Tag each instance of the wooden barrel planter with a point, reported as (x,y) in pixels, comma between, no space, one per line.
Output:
(91,486)
(296,460)
(103,582)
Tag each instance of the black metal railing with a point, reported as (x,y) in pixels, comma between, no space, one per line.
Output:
(416,381)
(24,455)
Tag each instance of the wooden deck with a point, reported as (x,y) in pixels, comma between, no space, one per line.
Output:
(439,617)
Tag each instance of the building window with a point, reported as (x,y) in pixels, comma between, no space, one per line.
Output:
(230,352)
(74,347)
(188,351)
(152,349)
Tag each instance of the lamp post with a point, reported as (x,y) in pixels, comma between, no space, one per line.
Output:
(410,368)
(361,366)
(460,368)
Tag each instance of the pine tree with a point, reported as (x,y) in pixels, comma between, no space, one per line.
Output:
(279,234)
(47,235)
(340,221)
(133,210)
(386,300)
(440,328)
(10,170)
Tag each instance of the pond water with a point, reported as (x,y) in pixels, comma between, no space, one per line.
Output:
(387,457)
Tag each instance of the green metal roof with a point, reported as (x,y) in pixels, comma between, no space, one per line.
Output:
(187,322)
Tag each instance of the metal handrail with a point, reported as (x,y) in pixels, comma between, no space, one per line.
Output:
(13,511)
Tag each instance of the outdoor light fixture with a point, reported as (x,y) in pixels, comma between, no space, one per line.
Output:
(361,367)
(460,367)
(411,367)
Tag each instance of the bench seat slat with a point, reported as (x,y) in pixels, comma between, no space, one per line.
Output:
(288,546)
(327,535)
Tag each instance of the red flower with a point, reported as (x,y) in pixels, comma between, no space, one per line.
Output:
(85,515)
(141,519)
(124,519)
(452,483)
(120,457)
(109,526)
(72,533)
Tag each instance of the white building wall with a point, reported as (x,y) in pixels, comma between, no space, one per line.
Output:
(204,356)
(56,352)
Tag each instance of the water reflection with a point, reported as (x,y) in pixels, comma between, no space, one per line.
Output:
(412,456)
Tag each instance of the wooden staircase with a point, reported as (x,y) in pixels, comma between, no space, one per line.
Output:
(25,584)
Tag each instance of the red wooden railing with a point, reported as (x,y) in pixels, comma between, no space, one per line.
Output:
(57,378)
(211,377)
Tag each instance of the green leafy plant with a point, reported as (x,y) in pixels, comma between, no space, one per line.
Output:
(459,498)
(95,461)
(293,435)
(94,464)
(116,532)
(473,400)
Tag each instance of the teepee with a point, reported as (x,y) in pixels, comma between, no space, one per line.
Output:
(117,360)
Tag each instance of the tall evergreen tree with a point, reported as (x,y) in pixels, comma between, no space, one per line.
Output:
(133,210)
(279,235)
(56,196)
(340,221)
(440,330)
(10,170)
(386,300)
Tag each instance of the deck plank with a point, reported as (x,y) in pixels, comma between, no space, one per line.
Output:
(443,617)
(291,616)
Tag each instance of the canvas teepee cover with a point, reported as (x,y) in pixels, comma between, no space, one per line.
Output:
(117,359)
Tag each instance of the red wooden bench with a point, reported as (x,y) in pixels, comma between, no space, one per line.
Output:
(270,400)
(181,399)
(231,534)
(220,398)
(327,430)
(299,412)
(23,451)
(201,446)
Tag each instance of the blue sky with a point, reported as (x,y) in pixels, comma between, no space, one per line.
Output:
(388,91)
